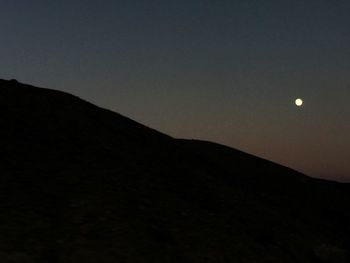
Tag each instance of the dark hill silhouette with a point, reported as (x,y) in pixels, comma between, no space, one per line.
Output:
(83,184)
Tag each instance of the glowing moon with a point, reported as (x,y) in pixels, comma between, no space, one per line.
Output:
(299,102)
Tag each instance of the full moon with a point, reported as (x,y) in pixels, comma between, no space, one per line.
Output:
(298,102)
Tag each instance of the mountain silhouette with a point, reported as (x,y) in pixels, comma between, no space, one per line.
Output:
(84,184)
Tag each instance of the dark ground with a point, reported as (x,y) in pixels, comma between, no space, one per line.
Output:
(79,183)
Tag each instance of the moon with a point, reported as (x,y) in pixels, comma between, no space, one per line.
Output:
(299,102)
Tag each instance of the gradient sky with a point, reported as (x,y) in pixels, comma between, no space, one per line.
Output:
(224,71)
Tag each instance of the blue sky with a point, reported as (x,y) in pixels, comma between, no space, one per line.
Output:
(225,71)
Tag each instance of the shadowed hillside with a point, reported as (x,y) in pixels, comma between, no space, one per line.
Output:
(83,184)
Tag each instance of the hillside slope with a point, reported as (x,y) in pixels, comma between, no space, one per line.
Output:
(79,183)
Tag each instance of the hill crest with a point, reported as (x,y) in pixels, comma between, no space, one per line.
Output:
(79,183)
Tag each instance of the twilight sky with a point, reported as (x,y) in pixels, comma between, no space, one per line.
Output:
(224,71)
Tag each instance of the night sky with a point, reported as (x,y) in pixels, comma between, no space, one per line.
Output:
(224,71)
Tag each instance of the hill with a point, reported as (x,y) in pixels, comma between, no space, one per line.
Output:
(79,183)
